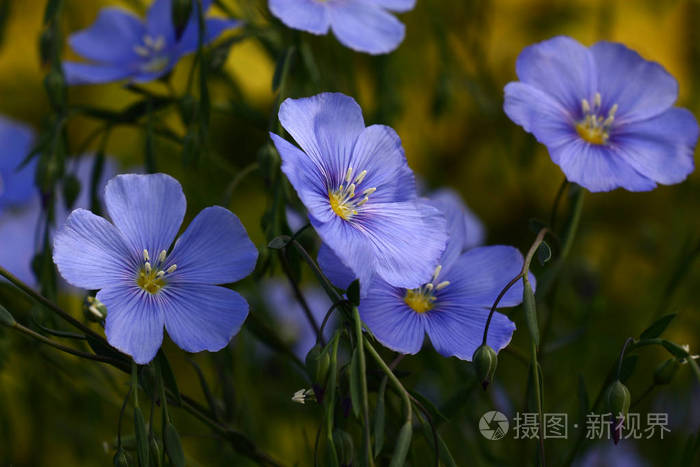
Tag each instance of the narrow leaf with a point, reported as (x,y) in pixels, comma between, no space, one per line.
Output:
(658,327)
(402,444)
(379,418)
(354,379)
(168,376)
(6,317)
(530,311)
(173,446)
(141,437)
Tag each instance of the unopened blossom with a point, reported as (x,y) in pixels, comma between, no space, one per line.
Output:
(145,281)
(605,114)
(362,25)
(359,191)
(120,45)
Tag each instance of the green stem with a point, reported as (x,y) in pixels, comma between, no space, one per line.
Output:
(572,226)
(363,383)
(135,382)
(405,395)
(538,396)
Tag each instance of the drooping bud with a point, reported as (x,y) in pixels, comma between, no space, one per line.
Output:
(485,362)
(665,372)
(317,364)
(618,402)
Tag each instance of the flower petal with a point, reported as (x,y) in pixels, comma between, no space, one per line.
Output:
(457,330)
(391,321)
(598,168)
(539,114)
(16,186)
(147,209)
(378,150)
(479,275)
(306,15)
(338,273)
(640,88)
(464,229)
(20,229)
(91,253)
(134,321)
(202,317)
(215,249)
(661,148)
(396,5)
(326,127)
(88,73)
(111,38)
(366,27)
(305,177)
(159,20)
(561,67)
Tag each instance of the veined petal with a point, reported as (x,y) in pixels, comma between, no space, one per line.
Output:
(16,186)
(89,73)
(407,240)
(539,113)
(202,317)
(111,38)
(134,321)
(215,249)
(378,150)
(661,148)
(457,330)
(391,321)
(398,6)
(306,15)
(147,209)
(91,253)
(464,229)
(306,177)
(20,230)
(366,27)
(159,20)
(598,168)
(640,88)
(338,273)
(479,275)
(326,127)
(561,67)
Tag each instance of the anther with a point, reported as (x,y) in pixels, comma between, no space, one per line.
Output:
(160,274)
(360,177)
(438,269)
(146,257)
(429,287)
(141,50)
(348,175)
(171,269)
(369,191)
(162,255)
(364,200)
(442,285)
(585,106)
(147,267)
(597,101)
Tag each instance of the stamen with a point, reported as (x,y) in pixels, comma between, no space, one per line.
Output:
(364,200)
(369,191)
(171,269)
(348,175)
(597,100)
(438,269)
(429,286)
(585,106)
(595,128)
(442,285)
(141,51)
(161,256)
(344,201)
(147,267)
(160,274)
(146,257)
(360,177)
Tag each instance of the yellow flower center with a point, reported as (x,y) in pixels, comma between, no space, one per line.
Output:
(595,128)
(343,201)
(423,298)
(152,278)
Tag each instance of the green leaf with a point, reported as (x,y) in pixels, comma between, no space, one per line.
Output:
(445,454)
(675,349)
(544,253)
(354,379)
(658,327)
(403,443)
(141,437)
(530,311)
(168,376)
(173,446)
(6,317)
(379,418)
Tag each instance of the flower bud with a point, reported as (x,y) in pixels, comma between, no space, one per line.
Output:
(55,86)
(317,364)
(618,402)
(665,372)
(344,446)
(485,361)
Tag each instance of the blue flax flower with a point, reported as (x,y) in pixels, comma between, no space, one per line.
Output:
(359,191)
(362,25)
(145,284)
(451,307)
(605,114)
(120,45)
(16,186)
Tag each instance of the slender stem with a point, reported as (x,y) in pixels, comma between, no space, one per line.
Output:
(47,303)
(363,383)
(300,296)
(121,416)
(327,286)
(622,356)
(694,366)
(405,395)
(329,313)
(538,396)
(646,392)
(555,205)
(573,226)
(135,382)
(63,348)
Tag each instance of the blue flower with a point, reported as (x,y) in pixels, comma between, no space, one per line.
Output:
(119,45)
(16,186)
(359,191)
(18,228)
(143,283)
(605,114)
(293,323)
(451,307)
(362,25)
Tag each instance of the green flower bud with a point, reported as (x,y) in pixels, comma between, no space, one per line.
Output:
(317,364)
(344,446)
(485,362)
(618,399)
(665,372)
(56,88)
